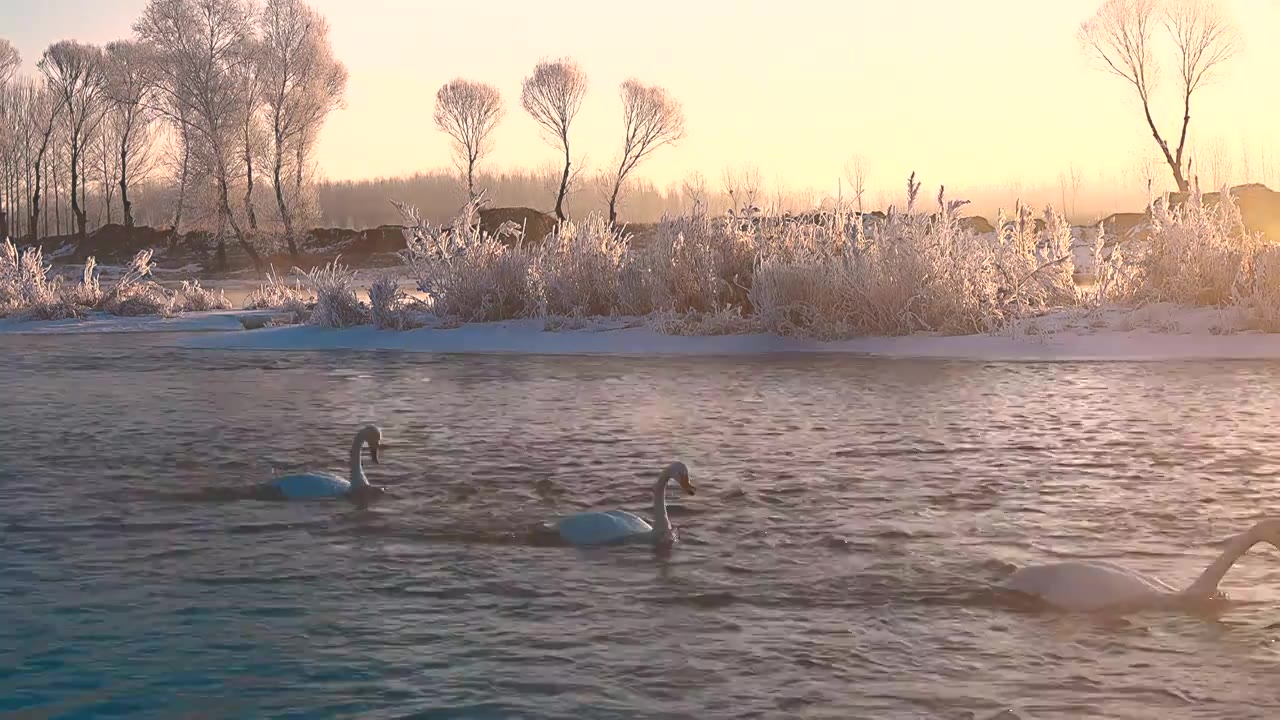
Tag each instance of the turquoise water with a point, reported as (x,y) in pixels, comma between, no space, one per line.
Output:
(837,560)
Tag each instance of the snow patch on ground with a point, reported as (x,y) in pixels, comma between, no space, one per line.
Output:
(194,322)
(1145,334)
(1151,333)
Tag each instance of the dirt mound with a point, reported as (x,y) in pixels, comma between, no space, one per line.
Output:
(537,225)
(977,224)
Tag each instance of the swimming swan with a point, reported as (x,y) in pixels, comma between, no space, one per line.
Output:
(320,485)
(619,526)
(1092,586)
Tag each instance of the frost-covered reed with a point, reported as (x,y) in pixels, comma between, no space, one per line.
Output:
(839,275)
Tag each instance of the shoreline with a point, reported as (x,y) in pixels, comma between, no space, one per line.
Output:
(528,338)
(1150,334)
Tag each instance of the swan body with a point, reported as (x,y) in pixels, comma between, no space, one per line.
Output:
(1090,586)
(611,527)
(603,528)
(323,485)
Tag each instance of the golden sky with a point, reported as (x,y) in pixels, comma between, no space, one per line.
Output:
(982,93)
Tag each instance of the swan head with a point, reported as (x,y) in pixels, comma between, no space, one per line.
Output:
(371,435)
(678,472)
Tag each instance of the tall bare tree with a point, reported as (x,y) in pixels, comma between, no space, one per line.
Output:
(10,60)
(199,47)
(45,108)
(128,95)
(468,112)
(1121,33)
(855,171)
(76,75)
(249,77)
(553,95)
(303,83)
(650,119)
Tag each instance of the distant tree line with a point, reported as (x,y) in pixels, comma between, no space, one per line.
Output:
(213,106)
(208,118)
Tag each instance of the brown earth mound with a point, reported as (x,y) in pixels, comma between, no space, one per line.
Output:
(537,225)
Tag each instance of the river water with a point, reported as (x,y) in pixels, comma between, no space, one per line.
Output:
(836,561)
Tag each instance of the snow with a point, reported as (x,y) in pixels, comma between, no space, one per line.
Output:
(1153,333)
(1116,335)
(195,322)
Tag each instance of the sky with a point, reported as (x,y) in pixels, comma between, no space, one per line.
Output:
(981,93)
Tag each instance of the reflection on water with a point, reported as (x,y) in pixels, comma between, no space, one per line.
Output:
(837,560)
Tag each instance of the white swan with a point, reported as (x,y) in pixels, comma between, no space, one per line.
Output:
(321,485)
(1094,586)
(619,526)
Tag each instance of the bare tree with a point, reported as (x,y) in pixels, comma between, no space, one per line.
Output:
(128,95)
(44,110)
(1120,35)
(75,74)
(742,187)
(303,83)
(694,190)
(552,96)
(10,61)
(249,79)
(650,119)
(199,48)
(468,112)
(855,171)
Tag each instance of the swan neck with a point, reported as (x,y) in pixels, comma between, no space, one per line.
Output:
(660,520)
(1207,584)
(357,470)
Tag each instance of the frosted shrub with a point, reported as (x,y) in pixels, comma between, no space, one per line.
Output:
(467,274)
(693,264)
(276,294)
(134,295)
(1262,298)
(1195,254)
(389,308)
(89,292)
(909,272)
(579,267)
(199,299)
(24,279)
(1035,268)
(336,303)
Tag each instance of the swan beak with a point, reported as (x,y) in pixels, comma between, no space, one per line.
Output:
(687,485)
(373,451)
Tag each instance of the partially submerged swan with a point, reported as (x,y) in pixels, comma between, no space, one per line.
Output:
(322,485)
(1094,586)
(619,526)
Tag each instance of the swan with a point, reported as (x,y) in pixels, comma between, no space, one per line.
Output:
(1093,586)
(320,485)
(619,526)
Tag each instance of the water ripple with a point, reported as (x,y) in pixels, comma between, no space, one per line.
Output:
(839,560)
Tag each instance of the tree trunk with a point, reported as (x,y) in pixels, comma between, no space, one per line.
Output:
(617,189)
(182,182)
(564,185)
(277,170)
(248,174)
(224,198)
(471,180)
(125,205)
(81,217)
(1174,164)
(34,228)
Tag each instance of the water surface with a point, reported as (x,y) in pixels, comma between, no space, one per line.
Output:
(836,562)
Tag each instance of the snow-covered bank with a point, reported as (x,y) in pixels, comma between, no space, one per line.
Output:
(1056,338)
(100,322)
